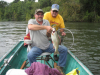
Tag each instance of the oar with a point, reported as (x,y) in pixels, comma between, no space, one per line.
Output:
(23,65)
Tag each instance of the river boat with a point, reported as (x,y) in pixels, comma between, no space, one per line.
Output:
(17,56)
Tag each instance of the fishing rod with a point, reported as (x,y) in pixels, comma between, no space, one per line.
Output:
(62,37)
(6,61)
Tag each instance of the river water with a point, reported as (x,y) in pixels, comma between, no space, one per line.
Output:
(85,44)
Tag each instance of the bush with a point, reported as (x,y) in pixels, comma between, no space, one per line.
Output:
(46,9)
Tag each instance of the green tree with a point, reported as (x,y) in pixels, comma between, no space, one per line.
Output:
(92,7)
(45,3)
(0,15)
(14,16)
(31,0)
(34,7)
(28,16)
(15,1)
(71,10)
(3,4)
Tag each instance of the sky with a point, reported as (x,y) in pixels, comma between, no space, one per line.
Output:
(9,1)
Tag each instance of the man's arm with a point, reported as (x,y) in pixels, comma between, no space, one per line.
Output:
(62,26)
(40,27)
(61,30)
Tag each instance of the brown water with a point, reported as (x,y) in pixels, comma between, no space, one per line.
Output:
(86,45)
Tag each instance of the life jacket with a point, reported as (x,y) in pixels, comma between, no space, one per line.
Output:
(27,37)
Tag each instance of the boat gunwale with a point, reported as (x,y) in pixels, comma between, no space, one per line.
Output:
(81,64)
(11,56)
(8,52)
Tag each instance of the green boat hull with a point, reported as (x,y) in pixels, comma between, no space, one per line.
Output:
(18,54)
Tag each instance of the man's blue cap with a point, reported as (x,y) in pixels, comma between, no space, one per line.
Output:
(55,7)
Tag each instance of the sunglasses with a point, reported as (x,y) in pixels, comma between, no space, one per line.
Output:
(40,14)
(55,11)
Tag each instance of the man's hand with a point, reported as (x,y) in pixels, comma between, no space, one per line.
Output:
(63,33)
(49,29)
(48,34)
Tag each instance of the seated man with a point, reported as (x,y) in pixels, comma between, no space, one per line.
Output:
(40,30)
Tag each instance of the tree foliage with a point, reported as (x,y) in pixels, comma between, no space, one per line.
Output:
(15,1)
(2,9)
(71,10)
(45,3)
(90,9)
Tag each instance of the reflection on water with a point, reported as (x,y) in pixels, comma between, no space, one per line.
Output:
(87,44)
(10,34)
(86,41)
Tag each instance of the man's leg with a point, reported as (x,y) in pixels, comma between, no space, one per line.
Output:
(56,57)
(51,50)
(34,52)
(62,56)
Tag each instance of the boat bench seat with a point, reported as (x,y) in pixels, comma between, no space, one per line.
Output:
(41,57)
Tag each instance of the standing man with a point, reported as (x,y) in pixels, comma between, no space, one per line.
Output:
(39,30)
(55,19)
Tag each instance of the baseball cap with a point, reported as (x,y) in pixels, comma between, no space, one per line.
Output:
(38,10)
(55,7)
